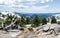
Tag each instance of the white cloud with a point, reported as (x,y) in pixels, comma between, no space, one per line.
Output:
(44,1)
(1,1)
(25,5)
(34,9)
(30,0)
(7,2)
(10,2)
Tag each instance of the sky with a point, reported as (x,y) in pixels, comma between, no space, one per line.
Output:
(30,6)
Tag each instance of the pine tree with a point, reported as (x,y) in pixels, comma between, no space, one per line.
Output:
(44,21)
(53,20)
(27,20)
(22,22)
(36,21)
(9,19)
(17,22)
(1,20)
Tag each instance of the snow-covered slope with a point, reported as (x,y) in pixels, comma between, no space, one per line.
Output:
(10,13)
(57,16)
(5,13)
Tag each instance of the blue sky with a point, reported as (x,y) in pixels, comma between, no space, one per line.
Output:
(30,6)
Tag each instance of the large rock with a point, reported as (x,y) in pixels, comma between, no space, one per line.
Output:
(57,29)
(46,28)
(50,32)
(52,26)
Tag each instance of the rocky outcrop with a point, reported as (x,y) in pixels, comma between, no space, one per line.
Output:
(45,31)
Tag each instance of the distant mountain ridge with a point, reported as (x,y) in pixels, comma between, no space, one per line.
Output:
(41,15)
(31,15)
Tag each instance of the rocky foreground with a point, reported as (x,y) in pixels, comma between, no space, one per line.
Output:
(45,31)
(4,34)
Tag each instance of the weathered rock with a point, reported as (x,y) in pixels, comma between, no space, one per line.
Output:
(46,28)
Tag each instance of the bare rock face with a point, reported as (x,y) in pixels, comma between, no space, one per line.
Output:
(49,31)
(54,27)
(28,36)
(46,28)
(57,30)
(27,33)
(45,31)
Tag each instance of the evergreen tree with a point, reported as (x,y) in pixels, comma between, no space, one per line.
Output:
(53,20)
(44,21)
(27,20)
(17,22)
(9,19)
(36,21)
(22,22)
(1,20)
(0,13)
